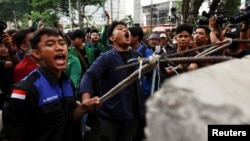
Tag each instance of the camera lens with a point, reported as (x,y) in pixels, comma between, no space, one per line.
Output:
(243,16)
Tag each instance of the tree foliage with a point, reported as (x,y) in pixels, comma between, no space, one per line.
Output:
(128,20)
(230,7)
(14,9)
(88,18)
(190,8)
(185,10)
(196,6)
(49,10)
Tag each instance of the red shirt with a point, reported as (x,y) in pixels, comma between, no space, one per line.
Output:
(23,68)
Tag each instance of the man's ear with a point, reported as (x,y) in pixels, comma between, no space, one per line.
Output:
(111,38)
(23,47)
(137,37)
(36,54)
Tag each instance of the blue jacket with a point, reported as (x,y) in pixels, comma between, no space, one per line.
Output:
(42,105)
(146,80)
(118,107)
(148,52)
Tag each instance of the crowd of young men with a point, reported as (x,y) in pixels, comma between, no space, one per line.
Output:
(59,79)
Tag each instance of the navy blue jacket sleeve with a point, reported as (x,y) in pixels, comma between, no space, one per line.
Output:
(94,73)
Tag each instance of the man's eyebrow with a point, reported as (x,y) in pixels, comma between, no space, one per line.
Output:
(53,40)
(49,40)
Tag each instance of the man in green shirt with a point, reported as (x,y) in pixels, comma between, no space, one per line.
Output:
(88,52)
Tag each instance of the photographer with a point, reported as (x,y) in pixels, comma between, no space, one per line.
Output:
(233,31)
(216,32)
(236,49)
(215,21)
(243,17)
(244,34)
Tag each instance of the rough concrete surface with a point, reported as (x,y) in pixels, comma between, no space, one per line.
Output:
(187,103)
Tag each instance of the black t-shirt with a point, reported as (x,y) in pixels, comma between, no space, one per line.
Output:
(97,51)
(126,55)
(170,49)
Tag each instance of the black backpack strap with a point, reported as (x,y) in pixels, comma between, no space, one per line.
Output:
(143,50)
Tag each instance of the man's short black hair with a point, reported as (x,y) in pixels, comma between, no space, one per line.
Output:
(86,30)
(93,31)
(112,27)
(20,35)
(77,33)
(136,31)
(36,38)
(184,27)
(205,27)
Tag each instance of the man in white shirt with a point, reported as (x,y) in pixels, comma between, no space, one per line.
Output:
(29,22)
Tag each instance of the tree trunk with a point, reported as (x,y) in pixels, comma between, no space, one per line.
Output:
(185,10)
(196,4)
(214,5)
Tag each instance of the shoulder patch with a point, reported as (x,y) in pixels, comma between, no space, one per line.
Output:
(18,94)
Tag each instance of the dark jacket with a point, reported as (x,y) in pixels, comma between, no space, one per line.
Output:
(120,106)
(40,109)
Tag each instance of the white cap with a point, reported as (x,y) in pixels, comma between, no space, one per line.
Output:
(163,35)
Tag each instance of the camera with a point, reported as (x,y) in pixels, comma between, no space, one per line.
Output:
(233,31)
(242,16)
(219,19)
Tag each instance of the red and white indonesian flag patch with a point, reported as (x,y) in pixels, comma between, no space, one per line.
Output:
(18,94)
